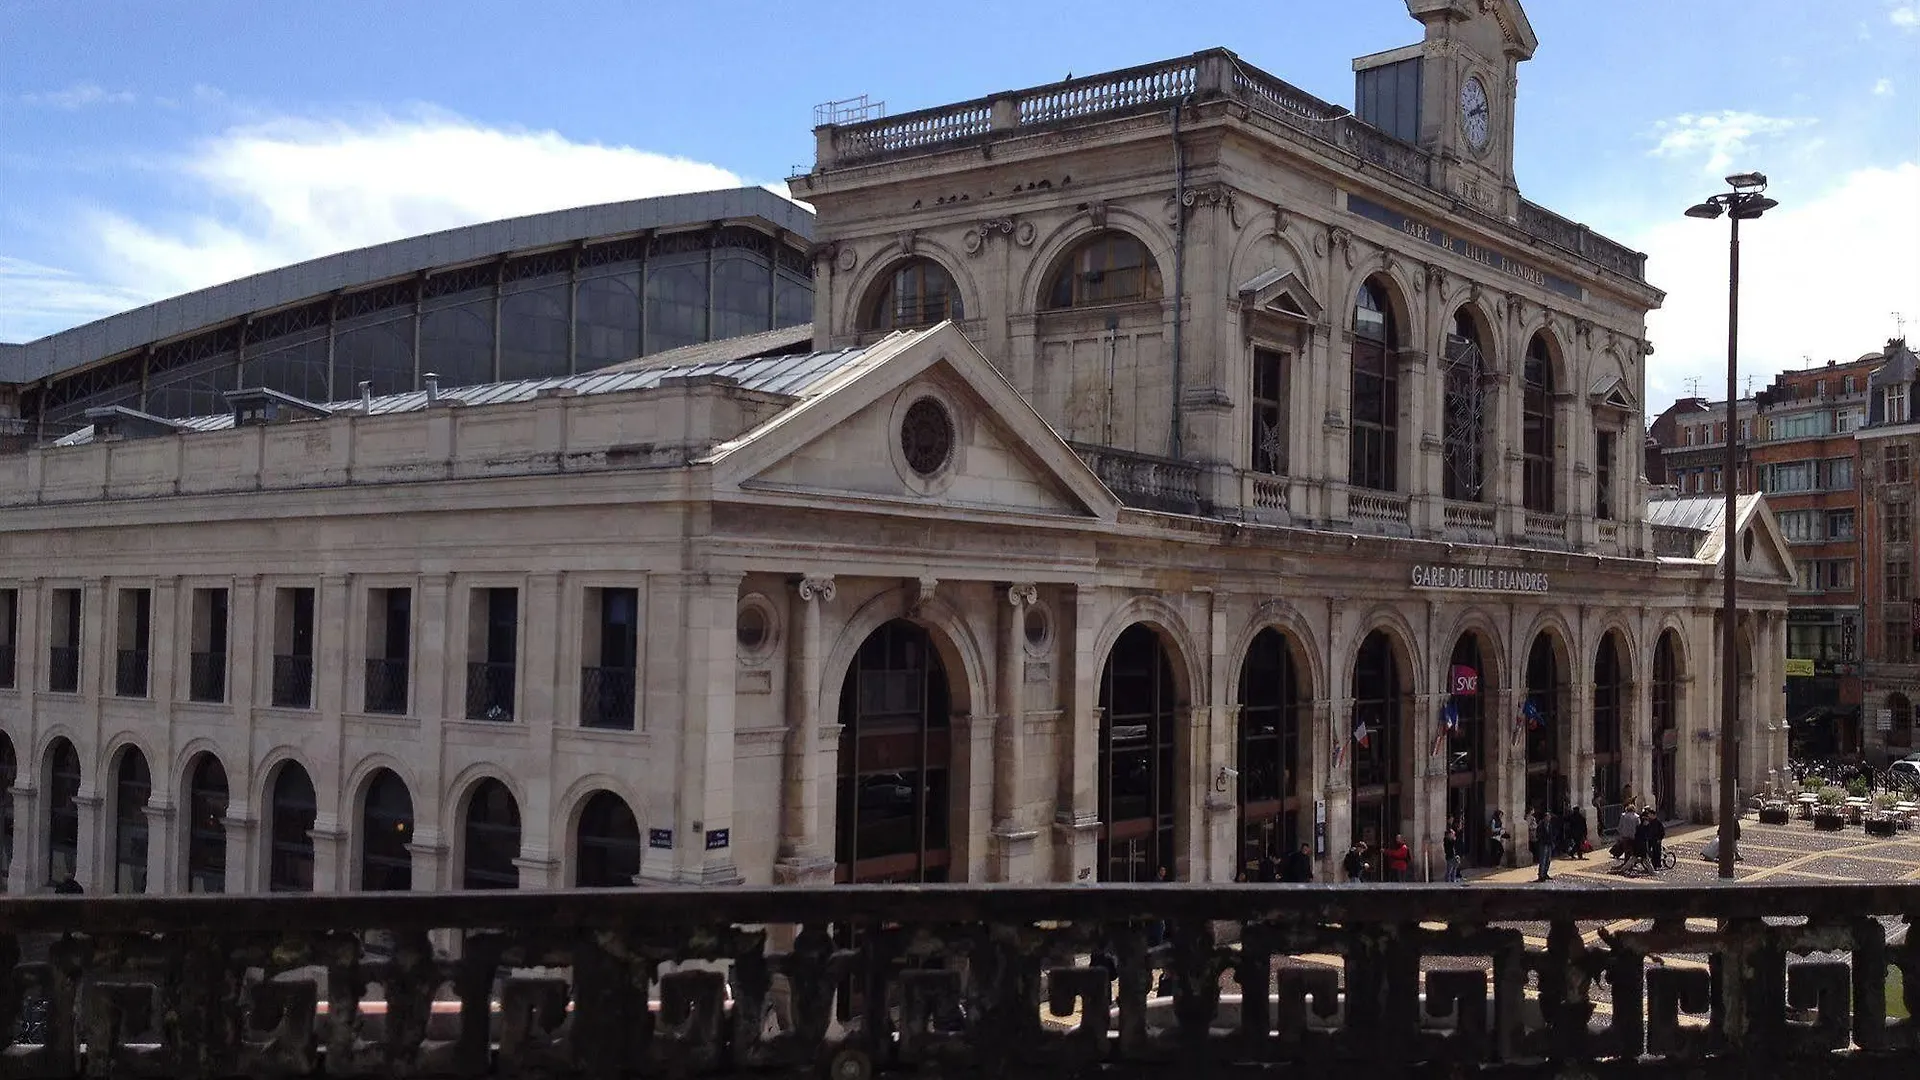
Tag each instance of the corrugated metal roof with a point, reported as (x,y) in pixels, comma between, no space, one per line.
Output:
(1699,514)
(787,339)
(791,375)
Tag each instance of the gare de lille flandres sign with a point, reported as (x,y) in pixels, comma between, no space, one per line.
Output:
(1479,579)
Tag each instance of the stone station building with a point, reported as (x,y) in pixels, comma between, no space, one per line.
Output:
(1190,469)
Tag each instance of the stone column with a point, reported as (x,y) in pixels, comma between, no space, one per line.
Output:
(88,856)
(242,830)
(1013,837)
(1338,748)
(806,856)
(1428,820)
(97,651)
(163,847)
(544,678)
(429,851)
(1311,449)
(1315,784)
(432,673)
(1577,755)
(1076,819)
(971,795)
(26,870)
(250,629)
(538,869)
(705,784)
(1511,753)
(331,871)
(1221,805)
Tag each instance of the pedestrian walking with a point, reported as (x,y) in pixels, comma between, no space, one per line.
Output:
(1357,864)
(1399,857)
(1299,866)
(1545,830)
(1450,847)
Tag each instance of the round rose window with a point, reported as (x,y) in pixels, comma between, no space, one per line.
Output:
(926,437)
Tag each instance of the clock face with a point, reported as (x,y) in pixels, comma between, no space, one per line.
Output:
(1476,121)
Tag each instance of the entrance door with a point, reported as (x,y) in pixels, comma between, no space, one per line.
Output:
(1374,744)
(1138,700)
(1467,772)
(894,758)
(1271,711)
(1546,782)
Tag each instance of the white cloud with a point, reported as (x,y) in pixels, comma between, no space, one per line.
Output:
(269,194)
(1820,277)
(1904,15)
(1883,88)
(1719,139)
(35,298)
(78,96)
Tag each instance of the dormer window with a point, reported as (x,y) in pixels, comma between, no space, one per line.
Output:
(1894,399)
(261,405)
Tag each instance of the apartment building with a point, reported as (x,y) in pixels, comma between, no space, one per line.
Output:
(1889,444)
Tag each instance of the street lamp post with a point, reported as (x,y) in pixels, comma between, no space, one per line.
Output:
(1746,201)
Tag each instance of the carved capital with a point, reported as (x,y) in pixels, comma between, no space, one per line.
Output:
(1341,240)
(928,586)
(1097,213)
(1282,218)
(1025,593)
(907,239)
(811,588)
(1437,276)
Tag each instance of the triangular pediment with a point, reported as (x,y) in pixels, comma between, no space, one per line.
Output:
(925,422)
(1759,546)
(1610,391)
(1280,292)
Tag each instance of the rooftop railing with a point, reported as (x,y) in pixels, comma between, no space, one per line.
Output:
(963,981)
(1213,74)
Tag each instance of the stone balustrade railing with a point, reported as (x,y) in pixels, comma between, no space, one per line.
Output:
(1203,76)
(966,981)
(1146,481)
(1378,506)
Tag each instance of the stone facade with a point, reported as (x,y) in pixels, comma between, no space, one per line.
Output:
(1081,583)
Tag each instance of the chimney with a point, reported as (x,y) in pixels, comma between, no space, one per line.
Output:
(366,397)
(432,379)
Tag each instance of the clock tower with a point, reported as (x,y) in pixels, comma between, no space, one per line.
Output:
(1453,95)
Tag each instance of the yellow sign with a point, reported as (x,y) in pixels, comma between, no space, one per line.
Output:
(1799,667)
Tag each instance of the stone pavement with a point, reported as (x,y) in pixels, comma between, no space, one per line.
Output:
(1791,854)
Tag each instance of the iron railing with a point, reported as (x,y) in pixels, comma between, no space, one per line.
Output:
(63,669)
(207,676)
(606,697)
(130,673)
(1139,981)
(490,690)
(386,685)
(292,681)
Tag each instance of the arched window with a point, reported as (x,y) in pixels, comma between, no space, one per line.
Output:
(1901,733)
(1376,393)
(63,812)
(607,843)
(493,838)
(1139,712)
(1109,268)
(1536,427)
(1272,715)
(896,756)
(290,865)
(386,828)
(1666,723)
(9,772)
(1373,746)
(1609,703)
(1468,771)
(133,782)
(919,292)
(1465,410)
(207,826)
(1541,717)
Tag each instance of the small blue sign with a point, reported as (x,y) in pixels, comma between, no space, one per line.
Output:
(660,838)
(717,838)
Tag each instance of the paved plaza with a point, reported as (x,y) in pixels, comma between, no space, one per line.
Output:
(1791,854)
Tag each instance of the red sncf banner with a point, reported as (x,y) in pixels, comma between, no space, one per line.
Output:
(1465,680)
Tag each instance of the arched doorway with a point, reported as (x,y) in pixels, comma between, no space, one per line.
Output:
(606,843)
(9,772)
(133,783)
(493,838)
(1541,714)
(1138,702)
(1609,714)
(293,807)
(895,760)
(1375,743)
(63,811)
(386,828)
(1464,718)
(1666,725)
(207,825)
(1273,704)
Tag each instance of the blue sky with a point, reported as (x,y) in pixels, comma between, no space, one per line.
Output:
(148,147)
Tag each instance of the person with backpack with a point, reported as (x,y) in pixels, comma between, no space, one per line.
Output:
(1357,865)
